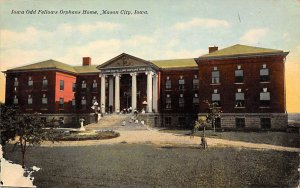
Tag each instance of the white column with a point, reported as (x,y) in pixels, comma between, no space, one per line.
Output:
(111,91)
(155,92)
(102,104)
(117,93)
(149,91)
(133,91)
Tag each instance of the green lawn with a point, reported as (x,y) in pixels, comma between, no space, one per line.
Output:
(137,165)
(275,138)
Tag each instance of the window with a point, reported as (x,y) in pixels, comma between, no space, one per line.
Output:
(16,101)
(16,82)
(30,81)
(168,83)
(45,83)
(181,83)
(61,85)
(168,102)
(215,97)
(215,75)
(195,82)
(264,74)
(44,99)
(73,102)
(265,123)
(29,99)
(83,103)
(94,84)
(83,85)
(181,121)
(61,102)
(94,100)
(218,122)
(61,120)
(168,121)
(239,99)
(265,98)
(240,123)
(181,101)
(239,75)
(196,100)
(44,119)
(74,87)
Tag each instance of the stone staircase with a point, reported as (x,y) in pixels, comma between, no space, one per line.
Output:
(114,122)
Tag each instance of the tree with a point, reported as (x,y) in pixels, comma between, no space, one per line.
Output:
(203,121)
(214,112)
(26,129)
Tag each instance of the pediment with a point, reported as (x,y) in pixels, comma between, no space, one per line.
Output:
(125,60)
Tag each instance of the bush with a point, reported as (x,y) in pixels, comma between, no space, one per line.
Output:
(88,135)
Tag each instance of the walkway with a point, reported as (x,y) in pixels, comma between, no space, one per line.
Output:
(133,133)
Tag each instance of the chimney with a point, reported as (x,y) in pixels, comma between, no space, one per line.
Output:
(212,49)
(86,61)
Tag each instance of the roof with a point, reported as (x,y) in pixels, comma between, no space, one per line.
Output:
(175,63)
(46,65)
(86,69)
(52,64)
(239,49)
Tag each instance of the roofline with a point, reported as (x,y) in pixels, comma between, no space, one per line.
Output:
(111,60)
(38,69)
(242,56)
(180,68)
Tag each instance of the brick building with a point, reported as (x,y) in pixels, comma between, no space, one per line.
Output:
(246,82)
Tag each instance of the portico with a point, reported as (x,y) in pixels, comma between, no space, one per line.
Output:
(122,84)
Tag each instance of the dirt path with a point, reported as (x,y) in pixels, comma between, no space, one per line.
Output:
(152,136)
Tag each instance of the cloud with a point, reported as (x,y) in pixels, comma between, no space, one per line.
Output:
(12,39)
(254,36)
(87,28)
(201,22)
(103,50)
(18,57)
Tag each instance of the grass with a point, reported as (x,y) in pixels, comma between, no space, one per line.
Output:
(274,138)
(137,165)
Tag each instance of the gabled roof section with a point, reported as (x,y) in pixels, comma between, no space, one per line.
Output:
(86,69)
(125,60)
(48,64)
(175,63)
(239,49)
